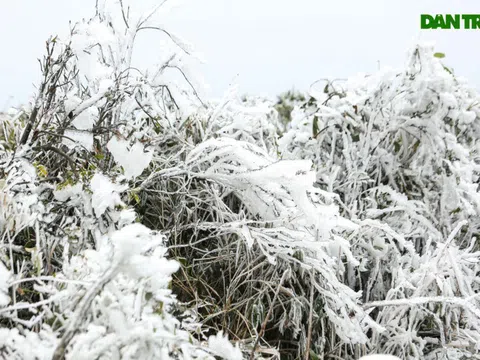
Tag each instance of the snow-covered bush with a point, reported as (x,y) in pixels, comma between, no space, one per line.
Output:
(80,277)
(106,147)
(400,150)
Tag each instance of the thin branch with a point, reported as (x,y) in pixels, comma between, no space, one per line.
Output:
(269,313)
(310,321)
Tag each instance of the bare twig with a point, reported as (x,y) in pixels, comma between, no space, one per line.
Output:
(310,321)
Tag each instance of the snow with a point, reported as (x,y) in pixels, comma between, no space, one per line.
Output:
(83,139)
(83,120)
(4,279)
(134,159)
(68,192)
(223,348)
(105,194)
(27,346)
(86,36)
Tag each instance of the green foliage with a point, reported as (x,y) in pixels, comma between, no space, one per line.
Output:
(41,170)
(285,104)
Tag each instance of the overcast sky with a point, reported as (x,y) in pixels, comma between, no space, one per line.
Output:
(272,45)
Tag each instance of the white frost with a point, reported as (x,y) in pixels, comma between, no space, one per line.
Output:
(68,192)
(105,194)
(4,278)
(133,160)
(80,138)
(224,348)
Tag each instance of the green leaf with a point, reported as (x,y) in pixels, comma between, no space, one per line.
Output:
(456,211)
(159,308)
(315,126)
(11,137)
(397,145)
(183,261)
(439,55)
(134,196)
(41,170)
(415,146)
(313,356)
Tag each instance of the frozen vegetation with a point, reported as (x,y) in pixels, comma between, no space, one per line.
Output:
(139,220)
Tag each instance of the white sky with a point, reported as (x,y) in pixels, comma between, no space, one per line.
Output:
(273,45)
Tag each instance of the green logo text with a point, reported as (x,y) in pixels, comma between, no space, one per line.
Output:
(448,21)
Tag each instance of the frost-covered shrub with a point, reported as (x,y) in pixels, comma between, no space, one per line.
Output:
(80,277)
(251,119)
(400,150)
(240,221)
(107,153)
